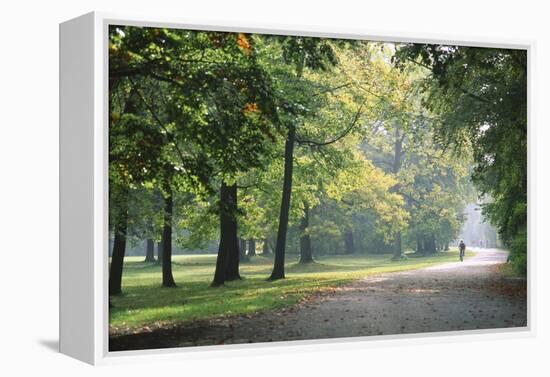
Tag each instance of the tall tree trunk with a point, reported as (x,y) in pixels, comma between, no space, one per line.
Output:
(446,248)
(265,248)
(227,262)
(242,250)
(429,244)
(398,152)
(251,247)
(158,206)
(167,277)
(306,255)
(279,263)
(397,251)
(159,252)
(348,242)
(150,250)
(119,245)
(419,245)
(121,220)
(232,272)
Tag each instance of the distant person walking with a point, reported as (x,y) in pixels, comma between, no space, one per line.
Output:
(462,248)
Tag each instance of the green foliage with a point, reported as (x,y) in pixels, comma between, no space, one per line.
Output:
(199,221)
(400,140)
(518,253)
(480,98)
(383,151)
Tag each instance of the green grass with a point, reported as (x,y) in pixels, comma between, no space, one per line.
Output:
(145,304)
(509,271)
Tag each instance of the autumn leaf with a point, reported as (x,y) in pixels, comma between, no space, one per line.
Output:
(243,43)
(250,108)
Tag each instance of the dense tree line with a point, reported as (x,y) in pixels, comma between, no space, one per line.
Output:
(272,144)
(480,98)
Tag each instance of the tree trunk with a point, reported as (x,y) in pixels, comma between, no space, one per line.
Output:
(306,255)
(159,252)
(279,263)
(398,152)
(419,245)
(150,251)
(167,277)
(251,247)
(429,244)
(348,242)
(398,247)
(119,245)
(446,248)
(242,250)
(232,272)
(227,262)
(265,248)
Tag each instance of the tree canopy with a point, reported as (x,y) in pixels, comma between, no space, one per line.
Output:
(309,145)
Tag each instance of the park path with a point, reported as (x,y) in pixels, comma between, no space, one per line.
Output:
(468,295)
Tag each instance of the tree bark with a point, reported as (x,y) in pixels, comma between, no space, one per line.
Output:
(348,242)
(251,247)
(119,245)
(429,244)
(227,262)
(167,277)
(121,221)
(398,151)
(232,272)
(150,250)
(398,247)
(159,252)
(279,263)
(306,255)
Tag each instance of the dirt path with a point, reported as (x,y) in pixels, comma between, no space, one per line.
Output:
(454,296)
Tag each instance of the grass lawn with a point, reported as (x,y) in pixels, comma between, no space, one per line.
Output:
(144,304)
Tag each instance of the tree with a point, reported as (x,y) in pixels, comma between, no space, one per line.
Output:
(150,250)
(279,263)
(480,96)
(167,276)
(242,250)
(130,138)
(202,86)
(299,54)
(244,117)
(228,253)
(251,247)
(400,140)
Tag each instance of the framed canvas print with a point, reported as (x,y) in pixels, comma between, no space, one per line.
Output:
(228,185)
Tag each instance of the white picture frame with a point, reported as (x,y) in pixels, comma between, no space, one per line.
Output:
(84,189)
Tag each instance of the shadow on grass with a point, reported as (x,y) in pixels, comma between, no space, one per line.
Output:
(144,302)
(317,267)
